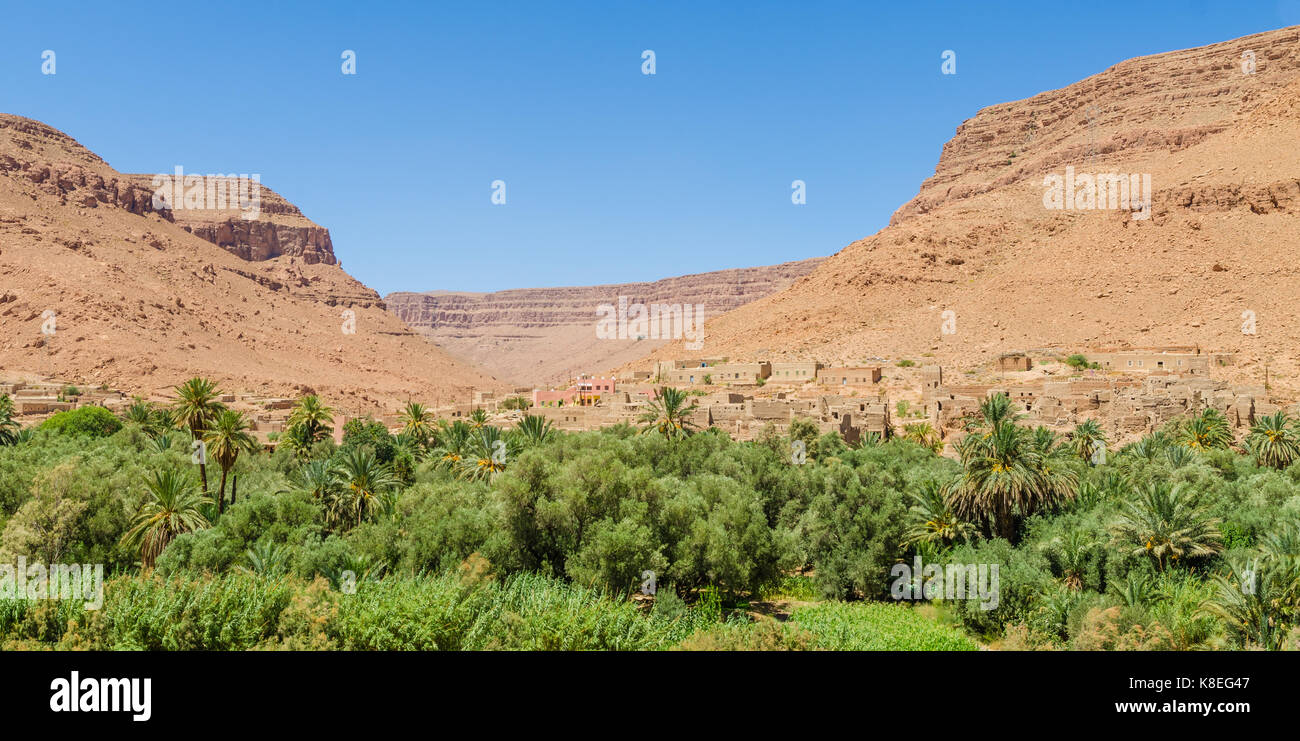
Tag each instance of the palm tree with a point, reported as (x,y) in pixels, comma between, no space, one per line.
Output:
(314,422)
(1246,599)
(323,481)
(1059,480)
(669,414)
(226,439)
(265,558)
(923,434)
(1274,441)
(1178,456)
(1002,479)
(174,507)
(1071,555)
(478,418)
(317,478)
(487,454)
(453,444)
(163,442)
(365,479)
(1136,589)
(996,409)
(533,430)
(195,407)
(1166,524)
(1088,439)
(417,421)
(932,518)
(1148,447)
(143,414)
(1206,431)
(8,425)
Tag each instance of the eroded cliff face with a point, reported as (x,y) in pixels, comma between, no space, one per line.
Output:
(141,303)
(1151,106)
(280,228)
(1215,253)
(538,335)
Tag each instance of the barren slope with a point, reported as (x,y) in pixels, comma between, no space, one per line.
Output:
(1223,238)
(140,303)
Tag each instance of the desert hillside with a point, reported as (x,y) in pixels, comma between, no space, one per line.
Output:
(536,335)
(1221,239)
(143,299)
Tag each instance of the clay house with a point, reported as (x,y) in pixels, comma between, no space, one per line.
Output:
(584,392)
(856,376)
(721,374)
(1013,361)
(1183,361)
(931,377)
(794,372)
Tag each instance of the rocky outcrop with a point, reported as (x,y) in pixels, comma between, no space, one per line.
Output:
(258,240)
(1155,105)
(142,303)
(984,260)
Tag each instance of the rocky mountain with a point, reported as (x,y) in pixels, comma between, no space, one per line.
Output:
(1025,260)
(101,287)
(538,335)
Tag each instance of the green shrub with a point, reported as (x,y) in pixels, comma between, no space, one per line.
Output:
(92,421)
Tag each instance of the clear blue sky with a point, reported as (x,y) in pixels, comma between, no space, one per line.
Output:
(611,175)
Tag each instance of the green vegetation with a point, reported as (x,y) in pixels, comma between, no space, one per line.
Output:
(516,402)
(905,363)
(462,535)
(1080,362)
(91,421)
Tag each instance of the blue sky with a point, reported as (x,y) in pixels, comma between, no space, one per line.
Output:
(611,175)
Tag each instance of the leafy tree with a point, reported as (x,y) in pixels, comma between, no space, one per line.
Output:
(89,421)
(173,507)
(516,402)
(369,432)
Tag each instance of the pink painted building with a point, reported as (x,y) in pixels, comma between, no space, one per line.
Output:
(584,392)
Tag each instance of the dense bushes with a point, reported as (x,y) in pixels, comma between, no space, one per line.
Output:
(568,530)
(92,421)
